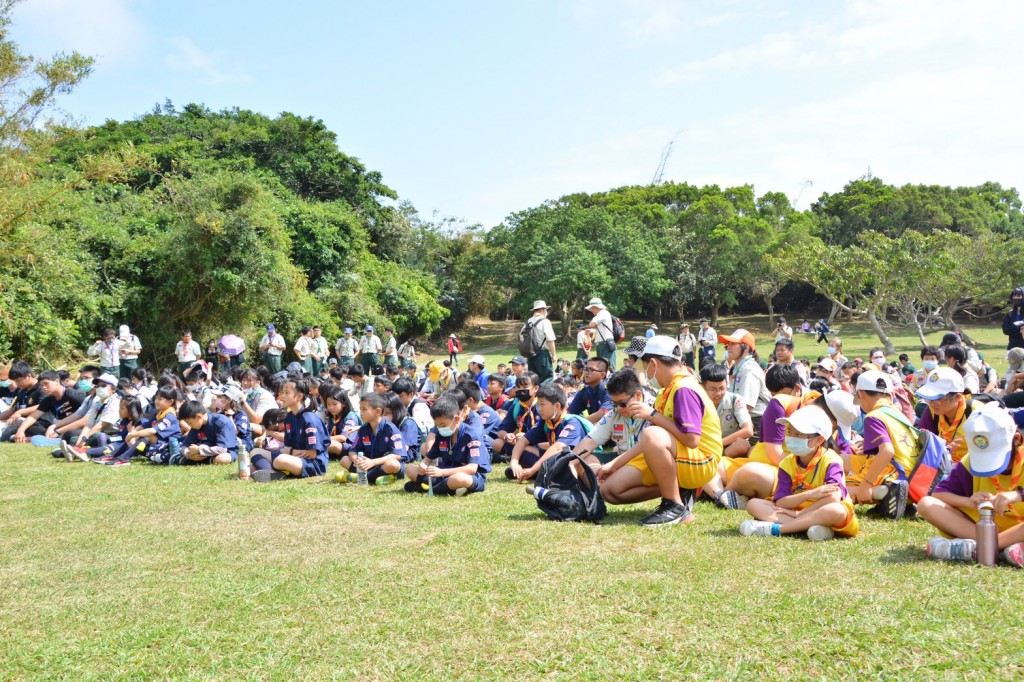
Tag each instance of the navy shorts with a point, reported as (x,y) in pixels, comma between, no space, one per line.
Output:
(440,485)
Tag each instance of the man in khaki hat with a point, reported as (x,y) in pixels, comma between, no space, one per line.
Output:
(604,341)
(539,329)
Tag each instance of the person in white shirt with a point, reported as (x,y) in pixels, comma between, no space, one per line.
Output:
(108,350)
(187,351)
(407,353)
(584,342)
(707,337)
(782,330)
(272,345)
(370,348)
(304,348)
(131,347)
(687,344)
(604,340)
(321,351)
(347,349)
(543,361)
(390,348)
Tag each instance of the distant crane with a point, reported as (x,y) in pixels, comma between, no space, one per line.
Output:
(805,185)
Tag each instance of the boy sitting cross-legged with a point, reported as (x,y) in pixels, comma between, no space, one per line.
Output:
(305,440)
(377,447)
(457,462)
(212,438)
(558,431)
(990,472)
(811,495)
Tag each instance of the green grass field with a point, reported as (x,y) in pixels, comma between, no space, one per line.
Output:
(148,572)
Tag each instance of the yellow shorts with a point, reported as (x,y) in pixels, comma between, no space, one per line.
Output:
(758,454)
(860,465)
(848,527)
(690,476)
(731,465)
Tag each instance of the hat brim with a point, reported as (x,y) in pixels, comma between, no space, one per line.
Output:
(926,395)
(988,466)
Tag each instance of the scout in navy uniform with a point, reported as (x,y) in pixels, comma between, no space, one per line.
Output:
(159,434)
(593,397)
(378,448)
(522,415)
(457,463)
(211,439)
(559,431)
(480,414)
(397,414)
(228,401)
(305,440)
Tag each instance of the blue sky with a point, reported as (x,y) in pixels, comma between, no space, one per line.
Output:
(474,110)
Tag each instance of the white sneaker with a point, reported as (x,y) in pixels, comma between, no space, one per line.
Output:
(66,449)
(951,550)
(754,527)
(820,533)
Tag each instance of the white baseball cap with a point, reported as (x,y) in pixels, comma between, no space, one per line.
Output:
(663,345)
(989,434)
(828,364)
(809,420)
(941,381)
(840,403)
(874,380)
(478,359)
(109,379)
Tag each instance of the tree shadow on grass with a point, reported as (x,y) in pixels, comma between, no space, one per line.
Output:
(910,554)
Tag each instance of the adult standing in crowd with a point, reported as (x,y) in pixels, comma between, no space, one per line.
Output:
(187,351)
(707,338)
(272,345)
(108,350)
(454,348)
(347,349)
(782,330)
(1014,320)
(584,342)
(651,331)
(321,351)
(390,347)
(131,347)
(687,344)
(543,361)
(604,331)
(370,348)
(304,349)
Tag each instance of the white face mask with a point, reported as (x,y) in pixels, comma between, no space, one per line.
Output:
(652,379)
(102,392)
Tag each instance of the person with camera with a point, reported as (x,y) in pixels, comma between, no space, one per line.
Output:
(782,330)
(1013,321)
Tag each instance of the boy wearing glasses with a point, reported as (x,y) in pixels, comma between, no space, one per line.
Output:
(592,400)
(619,434)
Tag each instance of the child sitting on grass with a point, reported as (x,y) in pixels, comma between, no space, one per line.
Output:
(810,496)
(158,438)
(115,454)
(378,447)
(212,437)
(559,431)
(990,472)
(341,420)
(457,463)
(228,401)
(305,440)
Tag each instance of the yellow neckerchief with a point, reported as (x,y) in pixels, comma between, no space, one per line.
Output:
(161,415)
(800,472)
(662,399)
(1015,473)
(947,432)
(552,427)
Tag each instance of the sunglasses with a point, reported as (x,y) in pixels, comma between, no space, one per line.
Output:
(623,405)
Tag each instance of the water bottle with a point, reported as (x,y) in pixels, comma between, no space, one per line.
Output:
(361,475)
(988,540)
(243,463)
(537,491)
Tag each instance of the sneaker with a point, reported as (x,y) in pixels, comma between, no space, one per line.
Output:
(820,533)
(755,527)
(79,453)
(509,475)
(65,449)
(103,460)
(386,479)
(462,492)
(957,549)
(118,462)
(266,476)
(58,453)
(410,486)
(893,504)
(668,513)
(730,499)
(1013,555)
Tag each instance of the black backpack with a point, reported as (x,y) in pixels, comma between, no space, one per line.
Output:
(562,496)
(531,338)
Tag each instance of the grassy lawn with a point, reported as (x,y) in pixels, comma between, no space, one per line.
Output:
(186,573)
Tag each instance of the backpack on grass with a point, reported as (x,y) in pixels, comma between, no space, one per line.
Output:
(562,496)
(933,461)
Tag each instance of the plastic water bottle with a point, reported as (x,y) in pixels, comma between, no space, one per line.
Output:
(243,463)
(537,491)
(988,540)
(361,475)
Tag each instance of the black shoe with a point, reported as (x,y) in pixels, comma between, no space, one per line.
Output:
(503,459)
(509,475)
(668,513)
(412,487)
(266,476)
(894,504)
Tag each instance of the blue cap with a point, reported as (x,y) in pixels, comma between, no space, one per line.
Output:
(270,328)
(348,330)
(369,328)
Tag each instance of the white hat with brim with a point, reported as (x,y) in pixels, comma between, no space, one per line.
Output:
(840,403)
(105,379)
(827,364)
(596,303)
(941,381)
(665,346)
(810,420)
(540,305)
(875,380)
(989,435)
(478,359)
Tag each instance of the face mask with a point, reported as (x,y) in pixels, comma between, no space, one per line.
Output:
(832,350)
(191,389)
(5,384)
(102,392)
(447,431)
(798,446)
(929,365)
(84,386)
(653,380)
(523,395)
(858,426)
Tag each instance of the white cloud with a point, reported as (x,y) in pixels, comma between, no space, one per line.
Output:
(105,29)
(210,67)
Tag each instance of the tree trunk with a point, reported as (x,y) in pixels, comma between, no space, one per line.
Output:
(920,331)
(832,314)
(770,302)
(714,312)
(566,321)
(890,349)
